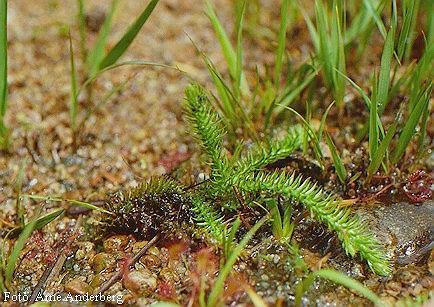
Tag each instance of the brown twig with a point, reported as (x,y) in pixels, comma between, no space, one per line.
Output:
(49,272)
(116,276)
(55,267)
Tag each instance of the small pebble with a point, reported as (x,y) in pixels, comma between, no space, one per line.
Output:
(116,243)
(102,261)
(77,286)
(140,282)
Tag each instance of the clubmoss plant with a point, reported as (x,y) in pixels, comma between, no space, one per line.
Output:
(151,208)
(146,210)
(248,177)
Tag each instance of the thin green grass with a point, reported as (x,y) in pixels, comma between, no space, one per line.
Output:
(12,260)
(18,190)
(313,137)
(4,132)
(257,301)
(337,161)
(385,66)
(96,59)
(281,224)
(323,121)
(41,221)
(122,45)
(363,22)
(408,131)
(217,290)
(228,51)
(374,119)
(375,15)
(82,28)
(229,237)
(409,12)
(328,39)
(239,60)
(339,278)
(9,263)
(97,53)
(381,152)
(71,201)
(284,20)
(73,106)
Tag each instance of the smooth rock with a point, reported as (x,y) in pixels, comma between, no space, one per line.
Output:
(77,286)
(140,281)
(406,229)
(102,261)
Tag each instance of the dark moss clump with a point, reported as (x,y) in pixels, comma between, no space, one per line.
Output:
(157,207)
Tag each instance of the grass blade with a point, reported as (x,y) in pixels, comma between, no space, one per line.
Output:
(404,36)
(97,52)
(359,22)
(217,289)
(119,49)
(423,126)
(42,221)
(323,121)
(339,278)
(370,6)
(48,218)
(316,145)
(384,78)
(337,161)
(409,128)
(4,133)
(18,246)
(228,238)
(324,53)
(257,301)
(311,28)
(239,63)
(350,283)
(366,99)
(18,191)
(73,107)
(3,58)
(290,94)
(429,7)
(71,201)
(126,63)
(374,120)
(225,43)
(276,218)
(82,28)
(413,23)
(301,287)
(381,151)
(228,51)
(284,18)
(338,54)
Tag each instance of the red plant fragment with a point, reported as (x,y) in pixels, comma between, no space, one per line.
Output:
(172,160)
(166,290)
(418,186)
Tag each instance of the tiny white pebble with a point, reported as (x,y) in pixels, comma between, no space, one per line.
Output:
(33,182)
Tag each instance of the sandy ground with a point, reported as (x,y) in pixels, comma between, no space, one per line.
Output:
(137,134)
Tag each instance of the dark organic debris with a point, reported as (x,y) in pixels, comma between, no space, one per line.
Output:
(147,210)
